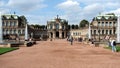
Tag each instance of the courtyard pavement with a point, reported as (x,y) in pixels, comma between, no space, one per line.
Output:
(60,54)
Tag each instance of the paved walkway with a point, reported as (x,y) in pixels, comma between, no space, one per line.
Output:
(60,54)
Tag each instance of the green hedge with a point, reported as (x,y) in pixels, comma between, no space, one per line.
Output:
(5,50)
(117,47)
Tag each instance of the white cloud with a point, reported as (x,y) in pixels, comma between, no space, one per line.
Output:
(117,11)
(1,3)
(76,10)
(69,5)
(26,5)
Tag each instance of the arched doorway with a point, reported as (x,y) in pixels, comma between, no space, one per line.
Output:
(62,34)
(57,34)
(51,34)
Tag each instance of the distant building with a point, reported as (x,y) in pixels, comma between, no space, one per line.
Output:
(79,33)
(57,28)
(38,33)
(13,26)
(104,25)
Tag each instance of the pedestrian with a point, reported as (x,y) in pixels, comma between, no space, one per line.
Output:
(113,44)
(71,40)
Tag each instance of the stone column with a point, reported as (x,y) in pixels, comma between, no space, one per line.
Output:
(60,26)
(118,29)
(89,32)
(26,32)
(1,30)
(53,26)
(108,31)
(54,34)
(60,34)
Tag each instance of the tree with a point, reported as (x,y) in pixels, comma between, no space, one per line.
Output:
(76,26)
(73,26)
(83,23)
(68,27)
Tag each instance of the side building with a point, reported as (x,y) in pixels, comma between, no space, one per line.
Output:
(103,26)
(79,33)
(57,28)
(13,26)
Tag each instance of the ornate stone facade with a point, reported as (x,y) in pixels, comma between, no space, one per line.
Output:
(13,26)
(57,28)
(104,25)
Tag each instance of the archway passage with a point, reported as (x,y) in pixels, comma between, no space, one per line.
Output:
(51,34)
(62,34)
(57,34)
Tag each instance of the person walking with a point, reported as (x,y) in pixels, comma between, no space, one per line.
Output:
(113,44)
(71,40)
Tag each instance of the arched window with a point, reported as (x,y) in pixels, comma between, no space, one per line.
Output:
(15,32)
(114,23)
(57,26)
(94,31)
(50,26)
(110,23)
(10,23)
(106,31)
(98,23)
(63,27)
(106,24)
(102,31)
(114,31)
(110,31)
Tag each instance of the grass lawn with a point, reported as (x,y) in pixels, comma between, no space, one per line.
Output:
(117,47)
(5,50)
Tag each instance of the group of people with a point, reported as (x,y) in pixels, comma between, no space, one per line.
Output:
(70,39)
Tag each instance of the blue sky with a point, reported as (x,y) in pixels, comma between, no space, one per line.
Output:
(40,11)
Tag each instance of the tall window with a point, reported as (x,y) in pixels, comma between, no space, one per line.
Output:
(94,31)
(14,31)
(14,23)
(50,26)
(63,27)
(106,24)
(98,23)
(57,26)
(10,23)
(102,31)
(102,23)
(110,31)
(114,23)
(106,31)
(6,23)
(113,31)
(10,31)
(110,23)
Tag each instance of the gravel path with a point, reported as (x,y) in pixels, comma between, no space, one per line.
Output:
(60,54)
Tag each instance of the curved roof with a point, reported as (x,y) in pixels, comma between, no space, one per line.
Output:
(9,16)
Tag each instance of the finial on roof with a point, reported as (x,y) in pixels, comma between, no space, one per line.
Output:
(57,16)
(14,12)
(99,13)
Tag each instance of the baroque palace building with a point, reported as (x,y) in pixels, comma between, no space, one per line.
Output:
(13,26)
(57,28)
(104,25)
